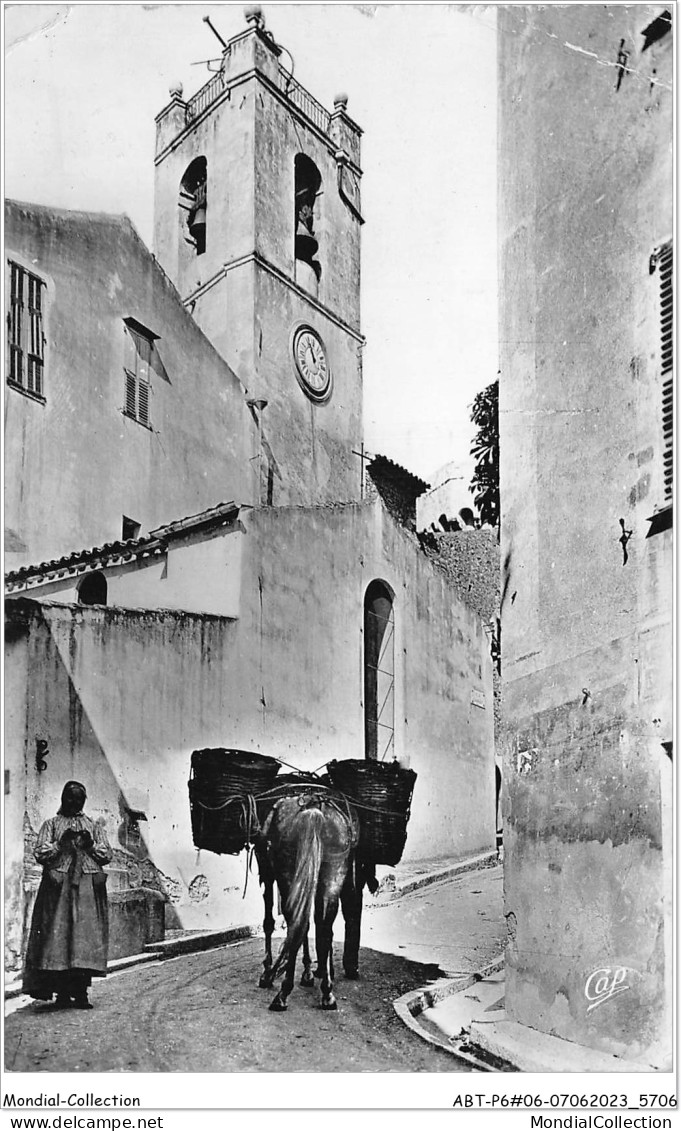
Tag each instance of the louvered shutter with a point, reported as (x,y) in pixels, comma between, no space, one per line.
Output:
(138,349)
(143,363)
(130,375)
(130,394)
(665,266)
(143,402)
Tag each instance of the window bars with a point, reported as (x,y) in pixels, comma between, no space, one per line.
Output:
(26,338)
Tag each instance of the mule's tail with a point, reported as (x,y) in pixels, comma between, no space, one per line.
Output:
(299,905)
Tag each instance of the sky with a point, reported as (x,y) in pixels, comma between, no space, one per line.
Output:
(83,83)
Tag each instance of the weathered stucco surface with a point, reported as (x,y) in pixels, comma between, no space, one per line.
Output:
(78,463)
(585,194)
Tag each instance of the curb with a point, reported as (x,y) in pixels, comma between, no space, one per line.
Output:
(470,864)
(203,940)
(411,1005)
(169,948)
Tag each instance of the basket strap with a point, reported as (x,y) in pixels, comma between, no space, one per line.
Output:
(238,798)
(372,808)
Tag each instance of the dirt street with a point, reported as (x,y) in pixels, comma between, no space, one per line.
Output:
(205,1012)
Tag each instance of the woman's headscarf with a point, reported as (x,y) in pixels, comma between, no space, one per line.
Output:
(73,798)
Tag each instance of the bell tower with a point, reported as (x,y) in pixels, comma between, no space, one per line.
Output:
(257,223)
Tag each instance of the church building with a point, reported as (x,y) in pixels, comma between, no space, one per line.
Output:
(199,552)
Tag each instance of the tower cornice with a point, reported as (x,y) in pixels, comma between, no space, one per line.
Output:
(261,262)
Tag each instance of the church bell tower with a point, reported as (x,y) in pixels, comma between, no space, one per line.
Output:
(257,223)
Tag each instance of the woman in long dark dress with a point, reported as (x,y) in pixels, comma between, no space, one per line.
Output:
(69,937)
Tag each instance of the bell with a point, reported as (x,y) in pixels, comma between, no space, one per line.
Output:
(306,244)
(197,224)
(197,229)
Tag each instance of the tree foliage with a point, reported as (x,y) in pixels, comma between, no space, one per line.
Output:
(485,449)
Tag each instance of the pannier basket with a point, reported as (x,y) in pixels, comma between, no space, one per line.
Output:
(222,787)
(382,792)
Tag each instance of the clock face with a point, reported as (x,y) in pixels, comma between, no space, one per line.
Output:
(312,367)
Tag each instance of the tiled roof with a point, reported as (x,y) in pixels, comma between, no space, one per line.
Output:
(405,480)
(111,553)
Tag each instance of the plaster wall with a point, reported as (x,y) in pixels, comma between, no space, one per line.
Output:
(585,198)
(312,443)
(195,576)
(307,671)
(15,761)
(98,273)
(132,736)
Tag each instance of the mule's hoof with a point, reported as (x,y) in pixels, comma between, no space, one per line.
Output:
(307,980)
(278,1006)
(352,975)
(330,1004)
(265,983)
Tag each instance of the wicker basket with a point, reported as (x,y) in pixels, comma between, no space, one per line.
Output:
(382,792)
(222,786)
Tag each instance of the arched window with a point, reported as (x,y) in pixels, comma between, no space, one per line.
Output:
(379,672)
(193,202)
(308,183)
(93,589)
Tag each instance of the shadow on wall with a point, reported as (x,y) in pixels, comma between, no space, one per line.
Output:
(68,747)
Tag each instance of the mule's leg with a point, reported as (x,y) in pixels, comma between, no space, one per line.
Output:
(266,980)
(351,904)
(307,977)
(280,1002)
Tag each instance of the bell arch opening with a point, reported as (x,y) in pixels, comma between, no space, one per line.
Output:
(308,185)
(194,203)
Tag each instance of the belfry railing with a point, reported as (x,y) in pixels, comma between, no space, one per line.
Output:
(302,98)
(289,86)
(205,96)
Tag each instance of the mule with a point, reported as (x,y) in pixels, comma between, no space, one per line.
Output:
(306,845)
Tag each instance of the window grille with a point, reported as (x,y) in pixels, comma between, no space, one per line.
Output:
(137,365)
(379,673)
(25,333)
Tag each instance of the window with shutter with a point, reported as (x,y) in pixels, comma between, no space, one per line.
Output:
(137,367)
(25,331)
(665,268)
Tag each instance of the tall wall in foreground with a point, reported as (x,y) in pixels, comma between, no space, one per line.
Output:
(585,210)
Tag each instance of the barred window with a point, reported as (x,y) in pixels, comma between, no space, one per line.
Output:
(25,331)
(138,351)
(379,673)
